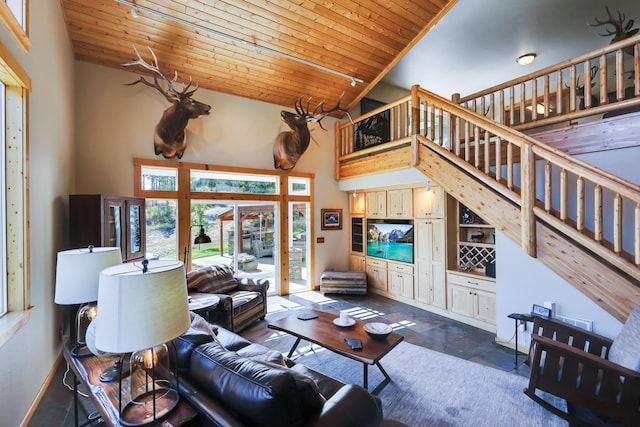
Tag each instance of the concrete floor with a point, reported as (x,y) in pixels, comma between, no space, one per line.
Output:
(418,326)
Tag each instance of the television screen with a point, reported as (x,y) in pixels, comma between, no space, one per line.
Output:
(390,239)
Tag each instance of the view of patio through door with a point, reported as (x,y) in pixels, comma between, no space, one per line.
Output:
(237,218)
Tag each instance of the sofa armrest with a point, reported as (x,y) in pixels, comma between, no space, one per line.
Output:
(259,285)
(351,406)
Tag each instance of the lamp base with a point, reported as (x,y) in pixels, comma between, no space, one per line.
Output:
(140,412)
(114,372)
(79,350)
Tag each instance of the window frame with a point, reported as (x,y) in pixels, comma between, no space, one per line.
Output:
(185,196)
(19,31)
(16,167)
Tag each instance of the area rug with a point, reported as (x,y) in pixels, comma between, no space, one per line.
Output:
(430,388)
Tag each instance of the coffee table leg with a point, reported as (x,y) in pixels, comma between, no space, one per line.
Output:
(383,371)
(365,376)
(295,345)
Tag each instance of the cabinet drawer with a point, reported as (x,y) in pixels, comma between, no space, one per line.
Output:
(376,263)
(472,282)
(400,268)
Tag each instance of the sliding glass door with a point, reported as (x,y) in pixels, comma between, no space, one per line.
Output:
(241,234)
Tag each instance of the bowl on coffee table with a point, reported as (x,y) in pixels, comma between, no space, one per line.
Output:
(378,331)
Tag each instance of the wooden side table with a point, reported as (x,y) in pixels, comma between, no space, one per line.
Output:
(202,303)
(105,396)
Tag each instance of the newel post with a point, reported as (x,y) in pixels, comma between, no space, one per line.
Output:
(415,123)
(528,198)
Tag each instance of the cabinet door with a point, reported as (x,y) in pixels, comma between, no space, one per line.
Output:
(135,231)
(114,225)
(461,300)
(377,274)
(356,204)
(430,262)
(485,306)
(376,204)
(429,204)
(400,203)
(357,263)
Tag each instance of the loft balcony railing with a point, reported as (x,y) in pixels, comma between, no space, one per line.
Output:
(600,82)
(597,209)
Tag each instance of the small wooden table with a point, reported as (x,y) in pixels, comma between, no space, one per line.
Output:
(202,303)
(105,395)
(323,332)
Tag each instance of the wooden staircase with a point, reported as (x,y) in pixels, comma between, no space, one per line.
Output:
(568,214)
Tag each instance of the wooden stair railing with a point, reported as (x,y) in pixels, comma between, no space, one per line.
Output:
(589,206)
(598,82)
(600,210)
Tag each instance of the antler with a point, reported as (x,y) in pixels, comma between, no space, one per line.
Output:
(170,92)
(320,113)
(621,31)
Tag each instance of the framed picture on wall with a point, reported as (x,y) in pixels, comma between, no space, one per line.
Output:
(373,130)
(331,219)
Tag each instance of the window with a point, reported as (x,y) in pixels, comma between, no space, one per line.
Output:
(14,237)
(14,14)
(236,211)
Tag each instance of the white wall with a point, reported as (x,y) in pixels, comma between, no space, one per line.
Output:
(522,281)
(115,123)
(27,358)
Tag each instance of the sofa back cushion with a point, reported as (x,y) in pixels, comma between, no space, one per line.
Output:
(217,279)
(259,395)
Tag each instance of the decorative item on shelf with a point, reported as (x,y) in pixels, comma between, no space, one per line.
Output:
(142,307)
(465,266)
(467,216)
(490,266)
(478,237)
(378,331)
(77,277)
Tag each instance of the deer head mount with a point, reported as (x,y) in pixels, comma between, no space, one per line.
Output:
(621,30)
(169,138)
(290,145)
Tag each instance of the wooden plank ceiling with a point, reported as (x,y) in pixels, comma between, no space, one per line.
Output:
(359,38)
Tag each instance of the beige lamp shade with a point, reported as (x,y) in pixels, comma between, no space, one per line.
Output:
(78,273)
(139,310)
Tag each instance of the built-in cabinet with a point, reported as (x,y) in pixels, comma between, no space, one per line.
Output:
(454,252)
(377,274)
(400,280)
(400,203)
(376,204)
(472,297)
(430,262)
(99,220)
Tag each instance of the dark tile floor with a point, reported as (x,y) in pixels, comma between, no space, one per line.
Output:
(418,326)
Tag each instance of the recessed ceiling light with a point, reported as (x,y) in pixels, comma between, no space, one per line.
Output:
(526,59)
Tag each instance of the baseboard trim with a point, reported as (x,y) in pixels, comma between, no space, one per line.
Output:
(43,390)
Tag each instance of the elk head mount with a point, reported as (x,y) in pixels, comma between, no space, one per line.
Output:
(169,138)
(621,30)
(291,144)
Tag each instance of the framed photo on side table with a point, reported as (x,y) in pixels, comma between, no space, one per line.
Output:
(331,219)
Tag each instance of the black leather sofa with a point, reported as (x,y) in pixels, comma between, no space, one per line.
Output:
(232,382)
(242,301)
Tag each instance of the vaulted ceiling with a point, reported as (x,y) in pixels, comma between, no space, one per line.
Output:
(258,49)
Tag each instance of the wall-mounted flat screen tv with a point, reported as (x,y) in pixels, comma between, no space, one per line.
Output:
(390,239)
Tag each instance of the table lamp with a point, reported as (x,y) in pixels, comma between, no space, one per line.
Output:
(144,305)
(77,276)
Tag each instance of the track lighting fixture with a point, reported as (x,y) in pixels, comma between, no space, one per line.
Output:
(137,8)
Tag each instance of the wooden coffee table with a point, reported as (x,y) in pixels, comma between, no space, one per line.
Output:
(323,332)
